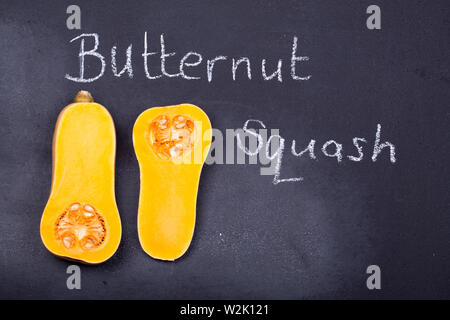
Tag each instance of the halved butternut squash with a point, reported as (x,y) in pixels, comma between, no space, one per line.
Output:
(81,221)
(171,145)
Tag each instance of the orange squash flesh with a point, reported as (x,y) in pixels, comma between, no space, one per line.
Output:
(81,220)
(171,145)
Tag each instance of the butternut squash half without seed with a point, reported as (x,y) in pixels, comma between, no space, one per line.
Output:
(81,221)
(171,145)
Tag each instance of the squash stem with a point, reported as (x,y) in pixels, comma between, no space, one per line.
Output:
(83,96)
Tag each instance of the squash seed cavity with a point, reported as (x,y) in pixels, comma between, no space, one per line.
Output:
(80,225)
(171,138)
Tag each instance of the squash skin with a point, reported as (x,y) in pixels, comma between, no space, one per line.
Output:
(168,187)
(84,145)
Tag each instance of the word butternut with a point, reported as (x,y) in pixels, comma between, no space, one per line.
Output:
(191,66)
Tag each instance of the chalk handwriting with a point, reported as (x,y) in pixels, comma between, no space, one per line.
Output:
(200,68)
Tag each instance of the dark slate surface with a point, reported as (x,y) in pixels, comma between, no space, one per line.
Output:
(253,239)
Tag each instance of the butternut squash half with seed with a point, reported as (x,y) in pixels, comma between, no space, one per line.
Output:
(81,221)
(171,145)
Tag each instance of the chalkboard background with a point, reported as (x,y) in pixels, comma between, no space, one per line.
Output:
(253,239)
